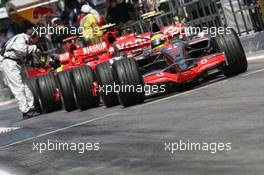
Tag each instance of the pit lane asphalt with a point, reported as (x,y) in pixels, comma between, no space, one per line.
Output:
(132,139)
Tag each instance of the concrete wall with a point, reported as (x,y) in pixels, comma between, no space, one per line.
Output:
(230,19)
(253,42)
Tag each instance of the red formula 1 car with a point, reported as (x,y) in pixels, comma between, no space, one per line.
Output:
(178,62)
(45,79)
(131,46)
(85,79)
(74,84)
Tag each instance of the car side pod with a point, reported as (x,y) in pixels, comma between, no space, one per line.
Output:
(129,78)
(83,86)
(230,44)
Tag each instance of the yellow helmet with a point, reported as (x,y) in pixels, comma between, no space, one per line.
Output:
(158,41)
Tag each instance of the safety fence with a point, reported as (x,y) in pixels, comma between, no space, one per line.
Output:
(142,26)
(243,15)
(202,13)
(168,9)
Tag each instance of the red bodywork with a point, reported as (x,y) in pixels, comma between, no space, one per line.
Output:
(102,52)
(203,65)
(32,72)
(178,54)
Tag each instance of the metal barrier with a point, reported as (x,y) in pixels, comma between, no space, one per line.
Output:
(135,27)
(145,26)
(203,13)
(164,19)
(242,16)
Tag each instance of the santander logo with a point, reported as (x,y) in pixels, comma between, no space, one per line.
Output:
(133,41)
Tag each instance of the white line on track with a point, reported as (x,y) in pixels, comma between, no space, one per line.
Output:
(255,58)
(58,130)
(253,72)
(4,173)
(9,129)
(8,102)
(136,107)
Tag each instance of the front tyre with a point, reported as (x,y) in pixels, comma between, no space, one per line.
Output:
(105,78)
(235,55)
(47,91)
(83,83)
(130,80)
(66,90)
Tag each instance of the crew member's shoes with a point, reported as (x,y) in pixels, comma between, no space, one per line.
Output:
(31,113)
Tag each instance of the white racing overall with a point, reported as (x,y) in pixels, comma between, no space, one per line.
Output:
(17,48)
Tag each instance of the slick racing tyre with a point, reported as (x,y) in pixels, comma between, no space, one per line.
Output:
(106,79)
(129,78)
(83,83)
(234,52)
(66,90)
(47,91)
(32,84)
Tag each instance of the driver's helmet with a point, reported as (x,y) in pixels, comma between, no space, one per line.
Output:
(158,41)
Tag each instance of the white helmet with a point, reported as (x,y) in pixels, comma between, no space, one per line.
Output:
(86,9)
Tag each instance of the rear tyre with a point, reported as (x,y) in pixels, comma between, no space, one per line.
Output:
(83,79)
(47,90)
(234,52)
(105,78)
(129,78)
(32,84)
(66,90)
